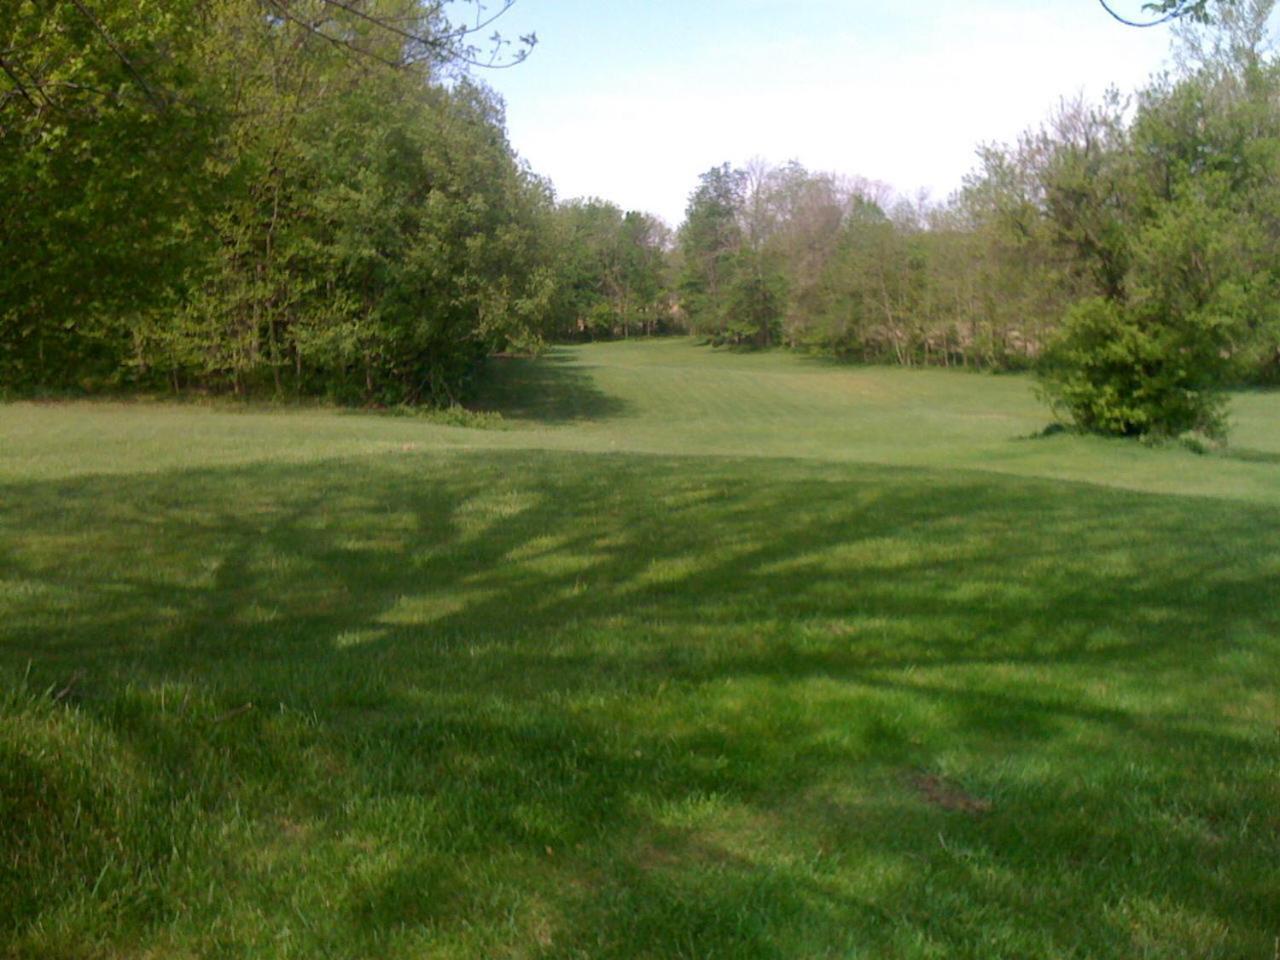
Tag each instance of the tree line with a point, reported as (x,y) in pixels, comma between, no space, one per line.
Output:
(304,196)
(1129,249)
(315,198)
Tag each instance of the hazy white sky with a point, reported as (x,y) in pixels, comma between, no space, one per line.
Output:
(630,100)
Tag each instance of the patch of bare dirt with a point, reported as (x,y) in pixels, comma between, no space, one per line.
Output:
(942,793)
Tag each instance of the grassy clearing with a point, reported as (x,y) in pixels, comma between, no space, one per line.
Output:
(704,655)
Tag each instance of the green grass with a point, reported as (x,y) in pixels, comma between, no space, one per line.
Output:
(701,655)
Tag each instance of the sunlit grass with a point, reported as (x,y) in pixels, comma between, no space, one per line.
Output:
(279,686)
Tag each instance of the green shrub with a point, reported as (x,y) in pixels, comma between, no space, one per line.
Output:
(1123,371)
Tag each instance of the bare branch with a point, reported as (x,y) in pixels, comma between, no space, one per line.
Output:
(481,24)
(440,45)
(1167,10)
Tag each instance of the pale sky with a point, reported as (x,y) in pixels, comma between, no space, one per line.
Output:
(631,101)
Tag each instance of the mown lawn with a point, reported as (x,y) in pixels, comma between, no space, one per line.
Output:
(700,655)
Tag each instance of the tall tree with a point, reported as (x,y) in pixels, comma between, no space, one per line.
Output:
(710,240)
(223,192)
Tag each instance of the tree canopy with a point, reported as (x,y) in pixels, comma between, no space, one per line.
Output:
(225,192)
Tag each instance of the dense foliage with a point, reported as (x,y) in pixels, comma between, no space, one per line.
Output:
(311,198)
(245,193)
(101,187)
(1128,249)
(611,272)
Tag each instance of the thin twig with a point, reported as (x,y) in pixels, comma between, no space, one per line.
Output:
(232,714)
(1171,15)
(481,24)
(71,685)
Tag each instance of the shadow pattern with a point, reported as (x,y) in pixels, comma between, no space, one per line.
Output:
(569,706)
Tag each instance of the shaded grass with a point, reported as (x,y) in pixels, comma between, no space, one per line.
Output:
(426,696)
(1252,456)
(550,705)
(551,389)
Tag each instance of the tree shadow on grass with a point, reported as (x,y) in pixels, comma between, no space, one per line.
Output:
(553,388)
(627,706)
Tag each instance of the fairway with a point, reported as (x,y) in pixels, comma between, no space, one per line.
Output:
(690,654)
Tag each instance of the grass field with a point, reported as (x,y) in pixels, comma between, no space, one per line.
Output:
(695,655)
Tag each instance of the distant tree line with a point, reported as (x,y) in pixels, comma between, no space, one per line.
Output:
(1129,249)
(612,273)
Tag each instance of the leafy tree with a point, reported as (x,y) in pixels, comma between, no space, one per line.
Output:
(755,300)
(228,193)
(1199,281)
(710,240)
(103,124)
(643,296)
(612,270)
(1129,371)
